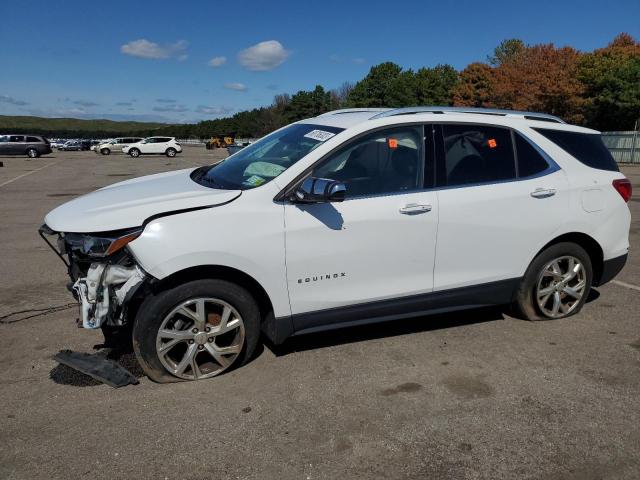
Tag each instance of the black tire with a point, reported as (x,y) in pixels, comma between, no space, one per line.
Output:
(525,305)
(157,306)
(134,153)
(105,151)
(171,152)
(32,153)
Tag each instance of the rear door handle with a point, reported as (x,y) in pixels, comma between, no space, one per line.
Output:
(543,193)
(415,208)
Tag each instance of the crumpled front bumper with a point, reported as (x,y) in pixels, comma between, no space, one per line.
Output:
(103,294)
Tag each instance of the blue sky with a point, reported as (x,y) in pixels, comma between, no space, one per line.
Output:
(189,61)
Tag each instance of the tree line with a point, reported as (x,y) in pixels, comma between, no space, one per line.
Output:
(598,89)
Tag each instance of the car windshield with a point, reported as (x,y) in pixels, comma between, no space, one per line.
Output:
(265,159)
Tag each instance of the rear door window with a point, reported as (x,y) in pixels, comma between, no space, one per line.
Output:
(587,148)
(530,161)
(476,154)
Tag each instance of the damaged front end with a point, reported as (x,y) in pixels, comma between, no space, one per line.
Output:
(105,277)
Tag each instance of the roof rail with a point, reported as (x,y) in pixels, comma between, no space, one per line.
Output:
(481,111)
(353,110)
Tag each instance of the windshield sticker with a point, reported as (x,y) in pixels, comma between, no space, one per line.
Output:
(254,181)
(319,135)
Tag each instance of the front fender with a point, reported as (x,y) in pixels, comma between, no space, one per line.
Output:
(246,236)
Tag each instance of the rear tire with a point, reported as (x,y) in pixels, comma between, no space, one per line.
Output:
(171,152)
(556,284)
(105,151)
(134,153)
(32,153)
(158,313)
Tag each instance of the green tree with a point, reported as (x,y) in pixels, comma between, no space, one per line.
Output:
(611,77)
(435,86)
(377,88)
(508,51)
(305,104)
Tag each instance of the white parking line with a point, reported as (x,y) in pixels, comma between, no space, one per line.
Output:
(28,173)
(625,284)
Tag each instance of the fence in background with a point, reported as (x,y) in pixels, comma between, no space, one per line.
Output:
(190,141)
(624,146)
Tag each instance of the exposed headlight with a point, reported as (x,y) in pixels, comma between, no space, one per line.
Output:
(101,244)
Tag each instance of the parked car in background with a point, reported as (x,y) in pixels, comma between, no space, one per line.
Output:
(94,144)
(115,145)
(154,145)
(71,146)
(30,145)
(57,143)
(347,218)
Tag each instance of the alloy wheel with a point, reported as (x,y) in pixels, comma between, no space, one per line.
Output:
(200,338)
(561,286)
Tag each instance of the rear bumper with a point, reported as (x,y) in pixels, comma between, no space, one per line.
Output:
(611,268)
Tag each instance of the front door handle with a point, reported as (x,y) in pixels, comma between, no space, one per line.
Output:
(543,193)
(415,208)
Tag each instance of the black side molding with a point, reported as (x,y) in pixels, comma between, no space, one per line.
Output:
(610,268)
(492,293)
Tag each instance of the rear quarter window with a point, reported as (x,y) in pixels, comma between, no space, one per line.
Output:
(33,139)
(587,148)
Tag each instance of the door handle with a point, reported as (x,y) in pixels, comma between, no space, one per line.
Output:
(415,208)
(543,192)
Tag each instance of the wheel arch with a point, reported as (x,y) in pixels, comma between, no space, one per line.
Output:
(591,246)
(223,273)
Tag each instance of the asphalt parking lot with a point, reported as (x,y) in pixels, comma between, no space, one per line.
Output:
(471,395)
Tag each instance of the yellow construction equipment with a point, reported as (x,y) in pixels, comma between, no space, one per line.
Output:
(219,142)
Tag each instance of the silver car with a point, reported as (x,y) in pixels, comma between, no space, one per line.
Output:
(116,145)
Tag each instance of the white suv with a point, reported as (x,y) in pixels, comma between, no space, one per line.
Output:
(154,145)
(351,217)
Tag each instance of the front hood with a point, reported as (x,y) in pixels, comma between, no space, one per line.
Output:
(129,203)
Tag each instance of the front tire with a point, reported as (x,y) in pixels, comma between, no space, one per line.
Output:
(32,153)
(105,151)
(171,152)
(556,284)
(134,152)
(196,330)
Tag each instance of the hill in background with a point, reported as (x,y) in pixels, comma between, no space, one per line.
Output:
(74,127)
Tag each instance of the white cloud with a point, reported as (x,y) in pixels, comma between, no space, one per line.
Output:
(85,103)
(170,108)
(240,87)
(217,61)
(263,56)
(206,110)
(145,49)
(12,101)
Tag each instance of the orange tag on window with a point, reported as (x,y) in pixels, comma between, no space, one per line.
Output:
(492,143)
(392,142)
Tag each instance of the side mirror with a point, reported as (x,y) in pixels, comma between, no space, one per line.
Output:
(319,190)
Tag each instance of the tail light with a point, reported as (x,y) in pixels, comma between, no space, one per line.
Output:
(623,187)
